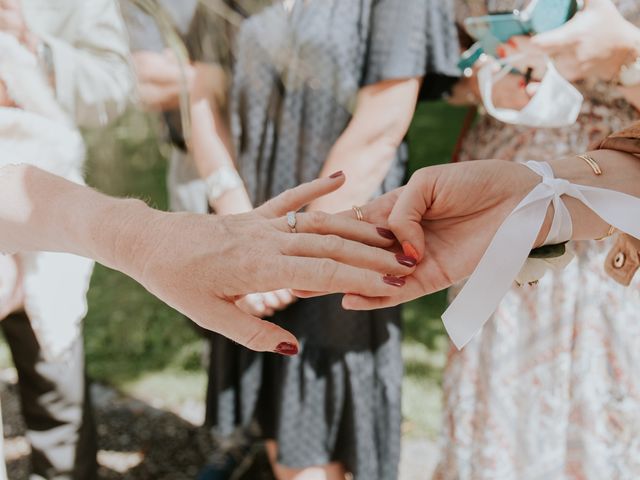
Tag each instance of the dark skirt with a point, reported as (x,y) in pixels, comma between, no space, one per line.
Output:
(337,401)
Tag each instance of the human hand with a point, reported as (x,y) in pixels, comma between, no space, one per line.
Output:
(12,22)
(265,304)
(595,43)
(446,216)
(201,265)
(161,79)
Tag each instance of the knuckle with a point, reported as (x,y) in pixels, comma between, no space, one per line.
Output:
(317,221)
(333,243)
(328,272)
(394,222)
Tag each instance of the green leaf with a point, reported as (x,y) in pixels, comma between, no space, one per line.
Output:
(549,251)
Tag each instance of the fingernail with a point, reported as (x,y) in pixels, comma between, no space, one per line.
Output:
(286,348)
(409,250)
(385,233)
(394,281)
(337,174)
(501,52)
(522,83)
(512,43)
(406,261)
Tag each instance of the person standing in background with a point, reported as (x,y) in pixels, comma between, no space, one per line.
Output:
(315,87)
(81,49)
(320,86)
(549,388)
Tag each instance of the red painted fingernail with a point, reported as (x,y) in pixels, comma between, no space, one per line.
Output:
(405,260)
(286,348)
(394,281)
(522,83)
(501,52)
(337,174)
(385,233)
(409,250)
(512,43)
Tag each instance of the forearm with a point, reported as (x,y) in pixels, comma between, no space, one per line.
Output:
(365,165)
(211,150)
(367,148)
(42,212)
(620,172)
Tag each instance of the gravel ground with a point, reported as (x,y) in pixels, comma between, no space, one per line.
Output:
(140,442)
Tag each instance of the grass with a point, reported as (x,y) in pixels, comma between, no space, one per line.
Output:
(143,347)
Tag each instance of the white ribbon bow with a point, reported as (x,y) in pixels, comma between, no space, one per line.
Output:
(515,238)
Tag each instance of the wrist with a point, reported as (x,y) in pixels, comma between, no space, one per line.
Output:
(620,172)
(232,202)
(118,233)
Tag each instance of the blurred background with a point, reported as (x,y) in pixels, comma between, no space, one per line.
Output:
(147,355)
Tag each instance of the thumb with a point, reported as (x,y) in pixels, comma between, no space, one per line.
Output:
(405,220)
(249,331)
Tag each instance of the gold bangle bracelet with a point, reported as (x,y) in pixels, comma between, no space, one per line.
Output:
(592,163)
(610,232)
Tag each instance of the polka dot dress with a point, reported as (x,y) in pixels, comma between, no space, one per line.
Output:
(296,78)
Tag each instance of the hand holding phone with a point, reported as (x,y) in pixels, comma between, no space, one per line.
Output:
(596,43)
(539,16)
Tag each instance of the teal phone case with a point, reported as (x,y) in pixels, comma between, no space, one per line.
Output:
(492,30)
(550,14)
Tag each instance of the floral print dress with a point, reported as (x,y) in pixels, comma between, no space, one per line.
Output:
(550,389)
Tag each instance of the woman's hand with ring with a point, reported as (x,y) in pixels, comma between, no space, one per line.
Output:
(201,265)
(446,216)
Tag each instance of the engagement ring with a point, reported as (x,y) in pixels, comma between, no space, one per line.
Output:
(292,221)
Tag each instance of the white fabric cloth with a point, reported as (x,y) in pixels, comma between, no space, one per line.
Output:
(513,241)
(93,76)
(40,133)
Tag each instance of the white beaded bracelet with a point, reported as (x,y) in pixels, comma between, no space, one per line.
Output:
(221,181)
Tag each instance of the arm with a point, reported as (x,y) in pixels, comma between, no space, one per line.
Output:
(210,143)
(367,148)
(160,83)
(448,214)
(199,264)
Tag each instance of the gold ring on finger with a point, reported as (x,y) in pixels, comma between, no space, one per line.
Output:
(359,214)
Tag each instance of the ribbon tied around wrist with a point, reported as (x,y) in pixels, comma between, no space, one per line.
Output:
(510,247)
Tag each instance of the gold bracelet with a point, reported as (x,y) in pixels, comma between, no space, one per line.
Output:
(610,232)
(592,163)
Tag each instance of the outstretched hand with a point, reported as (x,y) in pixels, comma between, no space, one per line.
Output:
(201,265)
(446,216)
